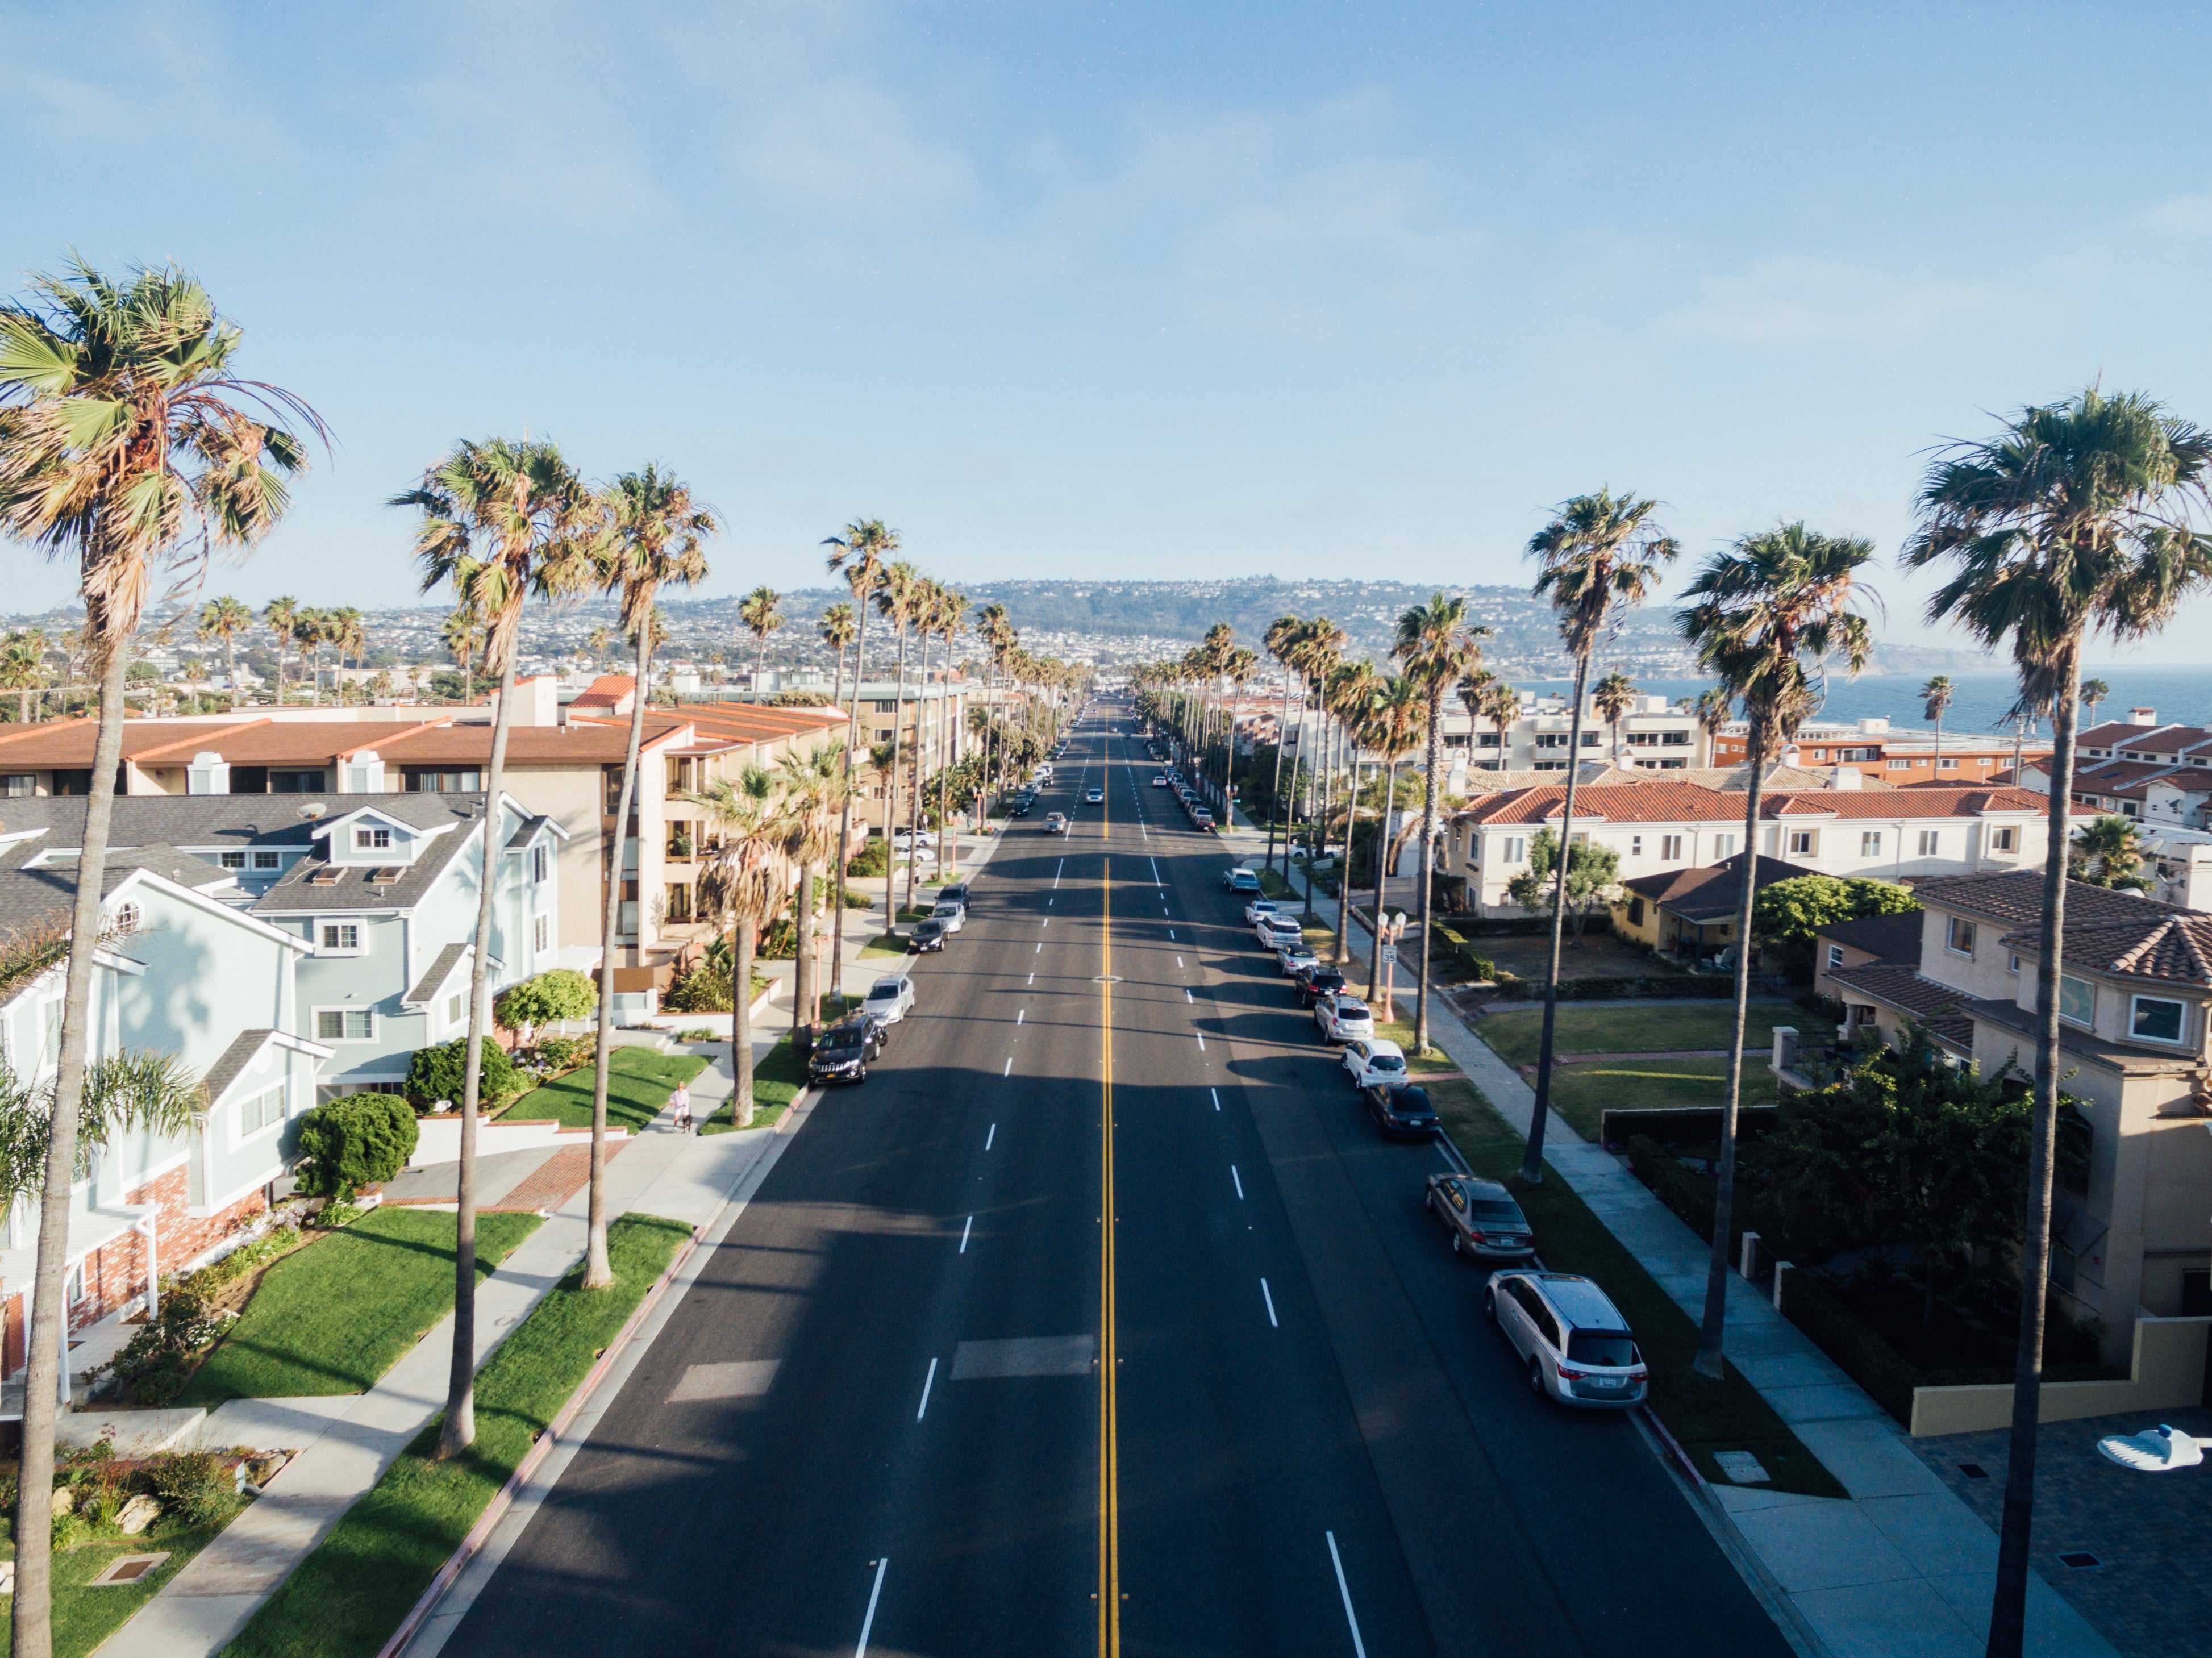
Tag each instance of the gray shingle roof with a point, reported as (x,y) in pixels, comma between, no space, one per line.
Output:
(440,969)
(1891,937)
(34,898)
(313,883)
(227,822)
(234,1058)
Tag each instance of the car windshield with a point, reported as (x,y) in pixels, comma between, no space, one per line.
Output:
(839,1042)
(1610,1347)
(883,995)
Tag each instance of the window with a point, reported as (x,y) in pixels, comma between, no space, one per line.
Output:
(340,938)
(1948,765)
(456,1004)
(888,705)
(1551,739)
(1803,842)
(1724,846)
(372,840)
(1487,740)
(1835,956)
(76,1284)
(264,1110)
(2077,1000)
(2155,1019)
(1643,739)
(1515,849)
(295,782)
(1901,765)
(1674,739)
(1589,739)
(268,861)
(2011,962)
(1550,765)
(543,934)
(1670,847)
(1929,842)
(1635,912)
(1870,843)
(1959,936)
(2003,839)
(17,784)
(1635,845)
(539,863)
(345,1024)
(676,907)
(126,918)
(233,860)
(427,779)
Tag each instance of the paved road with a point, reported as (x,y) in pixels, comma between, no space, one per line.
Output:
(923,1390)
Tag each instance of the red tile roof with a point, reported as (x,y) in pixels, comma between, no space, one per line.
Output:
(1957,801)
(609,690)
(2174,947)
(2017,896)
(1659,801)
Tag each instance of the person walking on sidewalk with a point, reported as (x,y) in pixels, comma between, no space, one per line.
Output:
(681,1101)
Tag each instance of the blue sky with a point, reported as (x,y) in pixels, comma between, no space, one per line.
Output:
(1144,291)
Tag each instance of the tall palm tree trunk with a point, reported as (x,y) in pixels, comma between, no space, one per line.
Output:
(741,1025)
(1428,875)
(2009,1616)
(1316,820)
(1713,1332)
(32,1613)
(891,795)
(1532,1165)
(1382,873)
(1275,789)
(598,1273)
(1346,740)
(920,775)
(459,1430)
(230,668)
(845,811)
(802,953)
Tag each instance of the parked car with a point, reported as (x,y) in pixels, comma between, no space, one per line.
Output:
(889,999)
(1160,781)
(955,892)
(950,914)
(1094,797)
(1240,880)
(904,838)
(1044,773)
(1375,1062)
(927,935)
(1021,807)
(1273,932)
(1344,1018)
(1292,958)
(1402,1114)
(1576,1347)
(1257,907)
(841,1051)
(1056,823)
(1323,980)
(1203,818)
(1481,1217)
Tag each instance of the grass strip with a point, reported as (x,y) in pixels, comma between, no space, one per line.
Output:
(777,1079)
(1704,1416)
(1431,1059)
(883,946)
(1582,1093)
(333,1318)
(638,1082)
(346,1599)
(1662,1029)
(85,1616)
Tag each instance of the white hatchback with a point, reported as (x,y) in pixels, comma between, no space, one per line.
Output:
(1374,1063)
(1576,1347)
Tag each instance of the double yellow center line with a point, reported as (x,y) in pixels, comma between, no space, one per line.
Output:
(1109,1447)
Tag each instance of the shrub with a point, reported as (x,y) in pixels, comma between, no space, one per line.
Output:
(560,1054)
(194,1485)
(436,1073)
(704,989)
(873,858)
(357,1140)
(1690,1196)
(155,1365)
(560,994)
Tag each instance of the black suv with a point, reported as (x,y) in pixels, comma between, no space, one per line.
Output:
(1315,982)
(1402,1114)
(841,1053)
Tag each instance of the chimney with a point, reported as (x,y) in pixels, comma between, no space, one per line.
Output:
(2142,716)
(364,773)
(208,774)
(1846,778)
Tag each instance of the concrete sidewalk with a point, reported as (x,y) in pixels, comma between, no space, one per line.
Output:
(347,1441)
(1903,1569)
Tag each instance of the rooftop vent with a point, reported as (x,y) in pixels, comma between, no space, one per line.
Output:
(386,875)
(325,876)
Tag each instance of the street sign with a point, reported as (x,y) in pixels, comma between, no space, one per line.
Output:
(1390,955)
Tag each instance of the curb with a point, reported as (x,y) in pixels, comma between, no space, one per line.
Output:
(495,1510)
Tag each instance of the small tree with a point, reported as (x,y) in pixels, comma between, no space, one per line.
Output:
(1789,914)
(436,1075)
(2109,853)
(560,993)
(357,1140)
(1593,875)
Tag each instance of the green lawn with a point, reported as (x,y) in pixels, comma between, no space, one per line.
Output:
(1581,1092)
(346,1599)
(1401,1031)
(777,1080)
(334,1317)
(1468,1116)
(1704,1416)
(883,946)
(1671,1029)
(85,1616)
(638,1082)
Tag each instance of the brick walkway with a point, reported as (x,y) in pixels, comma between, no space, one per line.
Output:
(2151,1591)
(559,1178)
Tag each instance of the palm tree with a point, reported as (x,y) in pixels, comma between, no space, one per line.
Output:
(862,552)
(1602,552)
(281,617)
(1713,709)
(1612,698)
(22,670)
(2110,853)
(463,634)
(1352,693)
(757,612)
(655,537)
(1934,698)
(1393,730)
(1501,706)
(813,785)
(951,613)
(313,626)
(225,618)
(1320,648)
(1281,641)
(1438,646)
(2094,691)
(349,634)
(836,630)
(898,599)
(129,447)
(1765,615)
(746,880)
(2076,519)
(501,521)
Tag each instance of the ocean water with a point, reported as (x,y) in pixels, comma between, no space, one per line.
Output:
(1979,702)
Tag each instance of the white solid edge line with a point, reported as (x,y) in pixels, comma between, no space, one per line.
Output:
(869,1622)
(923,1408)
(1239,1179)
(1358,1646)
(988,1137)
(964,1231)
(1267,1294)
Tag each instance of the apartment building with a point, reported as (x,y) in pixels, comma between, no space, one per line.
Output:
(2159,775)
(2135,992)
(1659,827)
(1899,758)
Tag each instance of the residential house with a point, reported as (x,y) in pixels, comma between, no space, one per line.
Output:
(2159,775)
(185,971)
(1903,758)
(1664,827)
(1690,913)
(2135,987)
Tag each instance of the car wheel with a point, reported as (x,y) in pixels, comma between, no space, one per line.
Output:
(1490,1305)
(1536,1378)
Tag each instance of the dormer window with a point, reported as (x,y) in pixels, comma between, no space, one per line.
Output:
(2156,1020)
(372,840)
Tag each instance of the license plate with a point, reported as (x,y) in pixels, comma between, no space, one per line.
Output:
(1605,1381)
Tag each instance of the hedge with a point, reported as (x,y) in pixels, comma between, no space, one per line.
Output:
(1690,1196)
(1701,986)
(1689,1125)
(356,1140)
(1885,1373)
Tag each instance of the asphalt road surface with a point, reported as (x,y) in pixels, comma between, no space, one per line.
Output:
(928,1398)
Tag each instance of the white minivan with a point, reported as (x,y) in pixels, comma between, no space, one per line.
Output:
(1576,1347)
